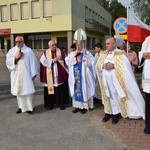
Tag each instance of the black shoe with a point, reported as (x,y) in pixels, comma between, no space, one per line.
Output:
(147,129)
(76,110)
(30,112)
(91,109)
(50,107)
(62,107)
(106,117)
(115,119)
(96,100)
(18,111)
(83,111)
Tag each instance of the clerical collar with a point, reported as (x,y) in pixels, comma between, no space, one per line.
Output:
(111,52)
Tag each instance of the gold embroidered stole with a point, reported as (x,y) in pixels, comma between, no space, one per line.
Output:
(105,100)
(49,71)
(97,55)
(118,63)
(19,78)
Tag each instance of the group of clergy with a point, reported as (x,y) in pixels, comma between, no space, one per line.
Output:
(119,90)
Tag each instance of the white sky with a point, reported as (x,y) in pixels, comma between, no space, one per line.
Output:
(125,2)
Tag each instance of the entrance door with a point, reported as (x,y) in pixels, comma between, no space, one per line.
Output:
(8,45)
(62,42)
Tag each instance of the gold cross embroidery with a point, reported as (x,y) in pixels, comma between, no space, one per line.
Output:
(50,89)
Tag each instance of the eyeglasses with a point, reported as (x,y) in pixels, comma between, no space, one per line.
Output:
(54,45)
(18,41)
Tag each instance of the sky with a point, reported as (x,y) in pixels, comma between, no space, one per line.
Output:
(125,2)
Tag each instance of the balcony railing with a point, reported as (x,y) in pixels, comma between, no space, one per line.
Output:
(92,24)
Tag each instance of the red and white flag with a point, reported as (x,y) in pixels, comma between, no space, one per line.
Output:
(137,30)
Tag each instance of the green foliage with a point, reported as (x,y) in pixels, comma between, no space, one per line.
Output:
(116,9)
(136,47)
(105,3)
(142,8)
(138,76)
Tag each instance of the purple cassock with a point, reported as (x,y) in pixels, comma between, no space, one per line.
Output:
(62,74)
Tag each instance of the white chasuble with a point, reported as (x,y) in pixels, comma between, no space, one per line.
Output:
(118,96)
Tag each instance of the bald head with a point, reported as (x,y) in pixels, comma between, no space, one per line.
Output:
(110,43)
(19,40)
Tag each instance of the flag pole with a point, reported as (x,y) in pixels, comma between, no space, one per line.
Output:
(127,27)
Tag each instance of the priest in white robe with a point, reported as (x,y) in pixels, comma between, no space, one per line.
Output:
(120,92)
(81,78)
(98,49)
(144,58)
(23,67)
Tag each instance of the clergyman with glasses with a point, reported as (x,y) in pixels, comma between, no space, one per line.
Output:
(53,76)
(23,67)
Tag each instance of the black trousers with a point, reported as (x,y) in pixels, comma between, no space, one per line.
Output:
(56,98)
(66,93)
(147,109)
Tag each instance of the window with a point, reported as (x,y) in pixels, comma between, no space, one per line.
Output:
(93,15)
(90,14)
(62,42)
(14,12)
(1,43)
(24,8)
(37,41)
(4,13)
(86,12)
(88,43)
(93,42)
(35,6)
(47,11)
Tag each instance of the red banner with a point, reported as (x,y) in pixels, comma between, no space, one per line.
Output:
(5,31)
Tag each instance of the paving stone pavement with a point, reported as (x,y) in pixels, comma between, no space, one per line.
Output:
(129,131)
(62,130)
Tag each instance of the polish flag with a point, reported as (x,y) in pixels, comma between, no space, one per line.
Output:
(137,30)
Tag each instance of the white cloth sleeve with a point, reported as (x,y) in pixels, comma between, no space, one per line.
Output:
(46,62)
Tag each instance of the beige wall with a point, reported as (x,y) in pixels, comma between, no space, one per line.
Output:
(59,21)
(64,18)
(66,15)
(54,35)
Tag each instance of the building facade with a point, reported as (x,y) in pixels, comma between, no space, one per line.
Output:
(38,21)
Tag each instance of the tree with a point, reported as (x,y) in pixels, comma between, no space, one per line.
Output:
(104,3)
(142,8)
(117,10)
